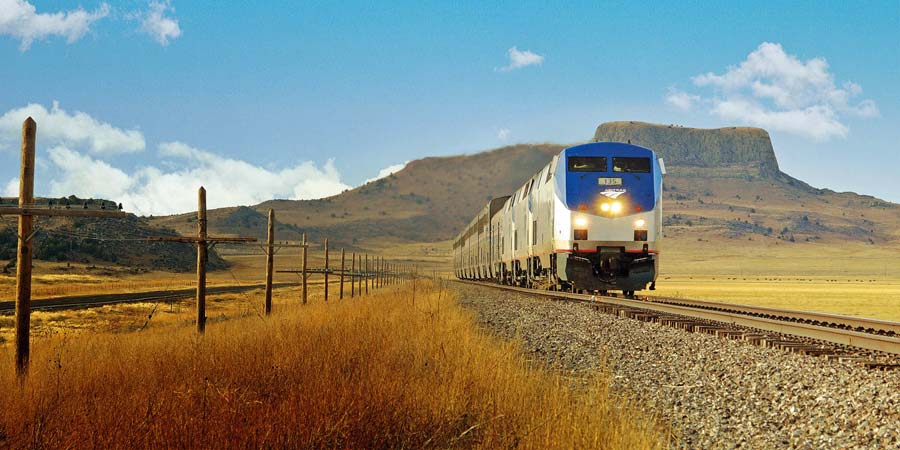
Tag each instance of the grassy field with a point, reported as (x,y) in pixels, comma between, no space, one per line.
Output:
(403,368)
(59,279)
(851,279)
(864,298)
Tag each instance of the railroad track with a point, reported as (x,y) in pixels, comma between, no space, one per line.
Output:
(91,300)
(869,342)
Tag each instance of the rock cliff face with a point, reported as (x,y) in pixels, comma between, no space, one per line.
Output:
(680,146)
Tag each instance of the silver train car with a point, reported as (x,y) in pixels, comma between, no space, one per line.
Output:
(590,220)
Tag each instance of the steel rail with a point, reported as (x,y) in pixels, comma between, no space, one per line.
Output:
(91,300)
(852,338)
(848,322)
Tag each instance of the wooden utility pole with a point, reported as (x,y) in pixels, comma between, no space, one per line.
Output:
(201,259)
(270,260)
(23,254)
(352,275)
(359,275)
(203,241)
(341,296)
(326,269)
(303,274)
(26,211)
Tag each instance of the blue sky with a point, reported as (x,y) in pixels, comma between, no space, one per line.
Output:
(303,99)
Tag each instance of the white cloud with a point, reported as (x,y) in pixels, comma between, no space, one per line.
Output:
(779,91)
(79,130)
(158,25)
(818,122)
(519,59)
(11,189)
(152,191)
(682,100)
(20,19)
(387,171)
(503,134)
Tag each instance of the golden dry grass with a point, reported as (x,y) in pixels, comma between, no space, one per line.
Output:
(55,279)
(850,279)
(388,371)
(877,299)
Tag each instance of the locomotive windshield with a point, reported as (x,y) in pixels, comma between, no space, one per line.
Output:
(587,164)
(631,165)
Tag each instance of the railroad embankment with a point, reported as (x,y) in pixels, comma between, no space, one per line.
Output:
(404,368)
(717,393)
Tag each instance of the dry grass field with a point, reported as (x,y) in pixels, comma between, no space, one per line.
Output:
(60,279)
(403,368)
(878,299)
(850,279)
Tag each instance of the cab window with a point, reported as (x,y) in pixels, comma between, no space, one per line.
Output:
(631,165)
(587,163)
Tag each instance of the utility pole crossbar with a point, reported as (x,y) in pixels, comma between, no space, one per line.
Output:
(320,271)
(192,240)
(48,212)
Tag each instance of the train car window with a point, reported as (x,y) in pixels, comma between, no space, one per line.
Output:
(587,163)
(631,165)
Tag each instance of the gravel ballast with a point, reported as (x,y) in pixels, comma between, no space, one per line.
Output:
(716,392)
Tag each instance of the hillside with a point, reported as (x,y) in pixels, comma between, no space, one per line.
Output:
(427,201)
(722,185)
(86,240)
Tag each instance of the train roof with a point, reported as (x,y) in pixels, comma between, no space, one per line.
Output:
(611,146)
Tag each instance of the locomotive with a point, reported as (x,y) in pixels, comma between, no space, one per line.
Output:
(590,220)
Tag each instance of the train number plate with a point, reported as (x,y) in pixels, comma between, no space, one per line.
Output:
(609,181)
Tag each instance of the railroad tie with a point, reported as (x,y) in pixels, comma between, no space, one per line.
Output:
(874,365)
(754,338)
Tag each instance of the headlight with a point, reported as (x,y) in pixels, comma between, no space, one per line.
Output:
(617,207)
(580,221)
(640,223)
(604,207)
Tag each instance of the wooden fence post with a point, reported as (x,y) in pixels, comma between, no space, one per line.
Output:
(326,269)
(303,274)
(352,274)
(341,296)
(367,274)
(23,261)
(270,260)
(201,260)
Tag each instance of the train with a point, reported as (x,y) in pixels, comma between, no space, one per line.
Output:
(588,221)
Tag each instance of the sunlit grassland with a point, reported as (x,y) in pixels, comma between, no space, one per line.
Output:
(128,317)
(60,279)
(395,369)
(850,279)
(878,299)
